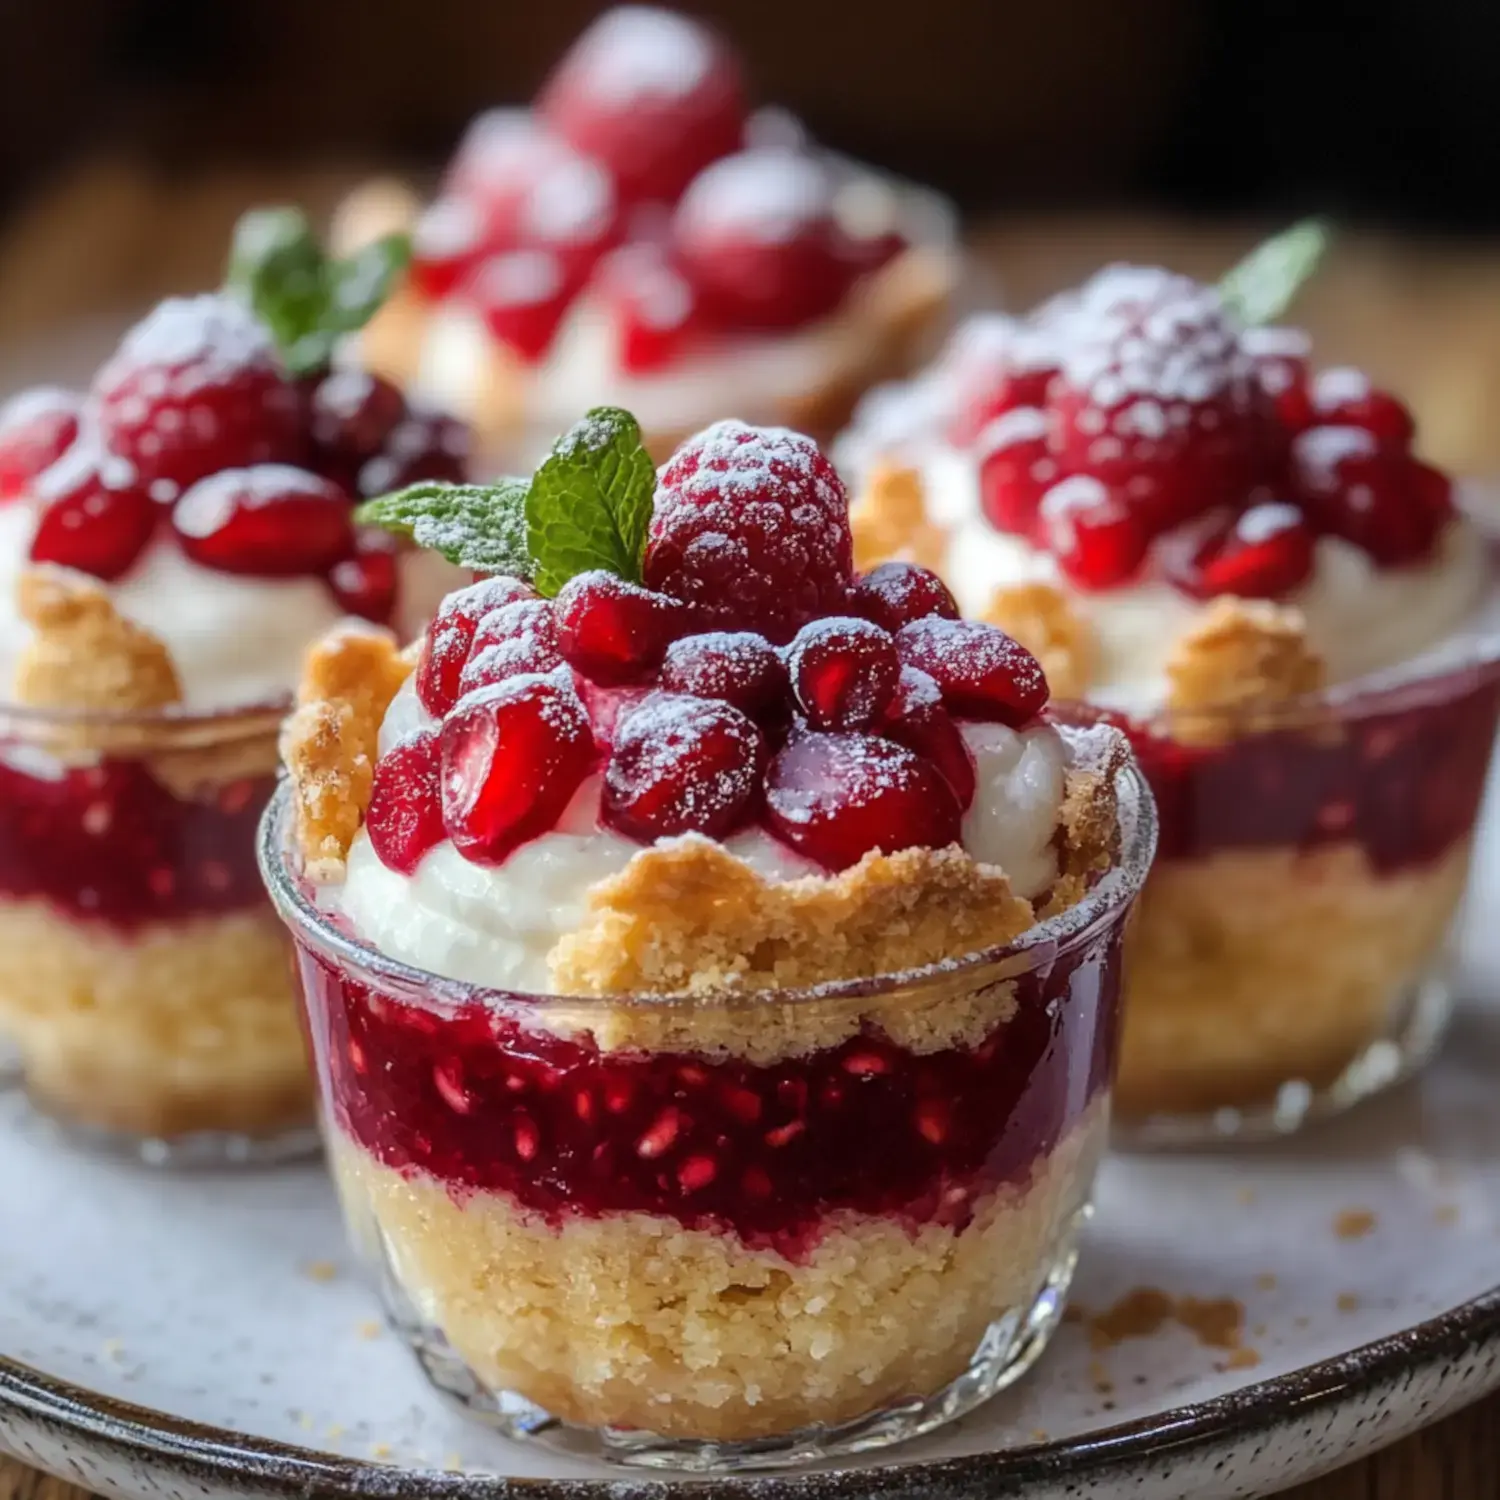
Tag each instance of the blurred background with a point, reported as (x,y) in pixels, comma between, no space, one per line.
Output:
(132,132)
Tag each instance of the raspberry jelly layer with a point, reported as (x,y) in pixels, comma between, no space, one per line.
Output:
(1404,785)
(109,842)
(475,1099)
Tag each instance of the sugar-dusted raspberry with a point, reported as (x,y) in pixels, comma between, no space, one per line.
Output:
(751,528)
(405,818)
(445,647)
(268,521)
(612,631)
(653,95)
(982,672)
(94,514)
(195,387)
(993,365)
(843,671)
(738,666)
(682,765)
(36,428)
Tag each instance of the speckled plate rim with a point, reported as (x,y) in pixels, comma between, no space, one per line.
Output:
(215,1460)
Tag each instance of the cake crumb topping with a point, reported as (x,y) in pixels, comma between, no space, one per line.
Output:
(890,523)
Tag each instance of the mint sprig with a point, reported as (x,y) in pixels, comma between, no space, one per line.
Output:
(308,299)
(588,506)
(1264,284)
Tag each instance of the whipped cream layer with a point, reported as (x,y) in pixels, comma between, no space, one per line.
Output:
(495,925)
(235,641)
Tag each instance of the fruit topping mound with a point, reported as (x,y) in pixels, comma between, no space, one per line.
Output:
(220,426)
(690,653)
(1143,426)
(638,182)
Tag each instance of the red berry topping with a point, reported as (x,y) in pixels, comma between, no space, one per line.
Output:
(733,665)
(270,521)
(36,428)
(751,528)
(917,719)
(405,819)
(94,516)
(757,237)
(835,797)
(194,388)
(1345,398)
(995,365)
(682,765)
(1280,359)
(655,308)
(843,672)
(366,583)
(1016,467)
(513,756)
(423,445)
(652,95)
(522,296)
(613,631)
(1264,553)
(1098,538)
(514,639)
(351,414)
(448,241)
(981,671)
(445,648)
(894,594)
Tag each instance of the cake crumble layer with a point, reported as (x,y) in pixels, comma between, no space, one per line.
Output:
(636,1321)
(1252,968)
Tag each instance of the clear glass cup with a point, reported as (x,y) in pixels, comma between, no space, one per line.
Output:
(1289,955)
(722,1232)
(145,994)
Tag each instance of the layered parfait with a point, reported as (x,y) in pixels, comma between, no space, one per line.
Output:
(170,542)
(711,957)
(640,236)
(1247,565)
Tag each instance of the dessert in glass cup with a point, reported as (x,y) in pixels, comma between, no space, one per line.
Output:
(170,542)
(710,957)
(1246,565)
(640,236)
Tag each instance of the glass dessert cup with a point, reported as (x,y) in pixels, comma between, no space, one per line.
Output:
(144,986)
(722,1232)
(1289,953)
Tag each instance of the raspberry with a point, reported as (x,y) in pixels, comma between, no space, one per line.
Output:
(751,528)
(445,647)
(996,365)
(656,310)
(94,515)
(982,673)
(522,296)
(194,388)
(682,765)
(269,521)
(1099,539)
(405,818)
(36,428)
(612,631)
(736,666)
(1264,553)
(843,672)
(917,719)
(835,797)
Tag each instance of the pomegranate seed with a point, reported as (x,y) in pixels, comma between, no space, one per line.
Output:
(194,388)
(756,1184)
(516,638)
(94,516)
(612,631)
(660,1135)
(351,414)
(36,428)
(270,521)
(366,584)
(896,593)
(653,96)
(682,765)
(835,797)
(1015,468)
(784,1135)
(405,817)
(655,308)
(843,672)
(423,445)
(917,719)
(742,1103)
(697,1172)
(1011,390)
(447,1079)
(981,672)
(1345,398)
(738,667)
(1099,540)
(512,757)
(934,1121)
(1280,357)
(755,234)
(1266,552)
(445,648)
(751,529)
(866,1064)
(528,1139)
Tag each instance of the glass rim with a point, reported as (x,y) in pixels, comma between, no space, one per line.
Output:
(1041,944)
(141,732)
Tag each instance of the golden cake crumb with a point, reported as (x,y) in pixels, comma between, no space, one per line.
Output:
(1040,617)
(83,653)
(1353,1223)
(890,522)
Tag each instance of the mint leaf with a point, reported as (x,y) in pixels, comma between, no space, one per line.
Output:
(480,526)
(1263,285)
(359,284)
(590,502)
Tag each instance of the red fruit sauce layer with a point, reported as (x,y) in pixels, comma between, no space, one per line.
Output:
(765,1152)
(110,843)
(1405,784)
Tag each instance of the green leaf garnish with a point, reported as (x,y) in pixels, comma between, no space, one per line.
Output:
(589,505)
(306,299)
(479,526)
(1263,285)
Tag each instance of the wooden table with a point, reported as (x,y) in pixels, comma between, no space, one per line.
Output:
(1423,317)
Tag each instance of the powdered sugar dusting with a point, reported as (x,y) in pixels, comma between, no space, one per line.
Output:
(1261,522)
(1338,387)
(572,202)
(198,339)
(767,196)
(636,53)
(1024,424)
(518,278)
(40,401)
(1318,452)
